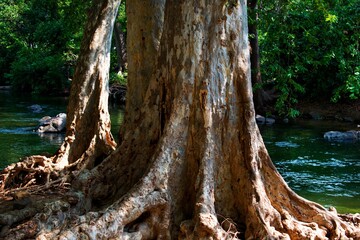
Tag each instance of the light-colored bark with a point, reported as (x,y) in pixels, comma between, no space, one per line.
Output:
(144,29)
(88,138)
(205,172)
(88,133)
(192,165)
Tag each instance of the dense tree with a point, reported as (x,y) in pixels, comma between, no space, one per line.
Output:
(40,42)
(310,49)
(260,96)
(9,42)
(191,163)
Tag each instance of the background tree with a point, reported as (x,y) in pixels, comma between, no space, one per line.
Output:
(260,96)
(310,49)
(9,41)
(120,39)
(40,42)
(191,164)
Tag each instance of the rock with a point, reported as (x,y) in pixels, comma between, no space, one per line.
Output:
(52,124)
(36,108)
(348,119)
(44,120)
(315,115)
(264,120)
(338,136)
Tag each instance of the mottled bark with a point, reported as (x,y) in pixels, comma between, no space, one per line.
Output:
(88,133)
(88,138)
(192,163)
(144,29)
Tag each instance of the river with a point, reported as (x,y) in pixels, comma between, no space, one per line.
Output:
(325,172)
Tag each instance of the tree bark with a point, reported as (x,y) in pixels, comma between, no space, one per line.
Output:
(88,133)
(120,44)
(88,138)
(192,163)
(144,29)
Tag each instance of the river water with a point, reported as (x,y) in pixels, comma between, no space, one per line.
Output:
(328,173)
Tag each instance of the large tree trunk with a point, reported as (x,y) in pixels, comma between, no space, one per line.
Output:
(191,163)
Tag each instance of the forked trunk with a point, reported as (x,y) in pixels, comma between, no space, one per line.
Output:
(193,164)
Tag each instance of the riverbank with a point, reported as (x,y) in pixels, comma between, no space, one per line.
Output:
(347,111)
(5,88)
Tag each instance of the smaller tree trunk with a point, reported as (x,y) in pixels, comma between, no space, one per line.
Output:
(88,138)
(120,44)
(256,80)
(88,127)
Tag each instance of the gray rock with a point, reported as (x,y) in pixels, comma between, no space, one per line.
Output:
(55,124)
(264,120)
(315,116)
(36,108)
(338,136)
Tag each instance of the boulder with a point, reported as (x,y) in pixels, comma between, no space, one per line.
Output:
(36,108)
(55,124)
(338,136)
(264,120)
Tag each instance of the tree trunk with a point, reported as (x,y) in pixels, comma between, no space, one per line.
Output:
(192,164)
(120,44)
(88,138)
(144,29)
(88,133)
(259,93)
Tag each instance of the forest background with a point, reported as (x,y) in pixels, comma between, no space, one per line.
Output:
(308,49)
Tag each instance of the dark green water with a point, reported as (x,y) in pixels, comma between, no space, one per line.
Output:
(17,122)
(328,173)
(322,171)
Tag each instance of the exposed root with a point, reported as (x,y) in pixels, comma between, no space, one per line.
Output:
(278,211)
(27,230)
(135,214)
(353,219)
(231,228)
(34,170)
(22,218)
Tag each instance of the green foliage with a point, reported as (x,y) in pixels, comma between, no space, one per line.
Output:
(35,70)
(310,49)
(122,19)
(231,4)
(9,41)
(39,43)
(118,78)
